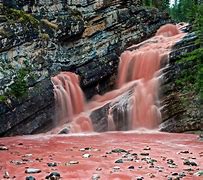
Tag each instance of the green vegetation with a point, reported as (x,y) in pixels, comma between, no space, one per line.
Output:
(19,76)
(19,16)
(160,4)
(191,11)
(19,88)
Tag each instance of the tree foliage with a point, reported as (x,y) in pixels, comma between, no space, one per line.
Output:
(160,4)
(192,11)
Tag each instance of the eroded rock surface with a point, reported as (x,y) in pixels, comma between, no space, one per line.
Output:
(180,100)
(38,39)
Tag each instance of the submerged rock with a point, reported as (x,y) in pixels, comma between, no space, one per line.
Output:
(3,148)
(53,176)
(32,170)
(119,161)
(30,178)
(199,173)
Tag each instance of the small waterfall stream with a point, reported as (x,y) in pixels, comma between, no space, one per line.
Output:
(139,74)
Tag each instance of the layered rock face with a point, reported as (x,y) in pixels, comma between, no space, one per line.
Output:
(180,99)
(39,38)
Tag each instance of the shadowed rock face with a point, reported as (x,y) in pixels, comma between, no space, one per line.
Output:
(177,116)
(181,109)
(38,39)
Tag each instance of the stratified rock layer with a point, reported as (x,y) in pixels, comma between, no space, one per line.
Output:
(181,106)
(38,39)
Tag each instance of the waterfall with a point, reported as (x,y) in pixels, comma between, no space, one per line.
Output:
(139,72)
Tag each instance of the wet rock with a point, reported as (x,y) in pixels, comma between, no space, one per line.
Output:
(88,149)
(3,148)
(172,166)
(131,167)
(200,138)
(181,174)
(118,150)
(30,178)
(184,152)
(86,155)
(27,155)
(116,168)
(32,171)
(151,175)
(99,169)
(6,175)
(170,161)
(64,131)
(176,116)
(144,154)
(199,173)
(16,162)
(119,161)
(147,148)
(140,178)
(39,159)
(151,166)
(188,169)
(174,174)
(52,164)
(73,162)
(189,162)
(53,176)
(95,177)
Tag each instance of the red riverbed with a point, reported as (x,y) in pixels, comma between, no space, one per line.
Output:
(168,150)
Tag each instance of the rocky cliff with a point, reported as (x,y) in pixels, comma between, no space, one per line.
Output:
(180,97)
(39,38)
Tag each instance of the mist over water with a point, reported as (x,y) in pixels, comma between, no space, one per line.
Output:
(138,72)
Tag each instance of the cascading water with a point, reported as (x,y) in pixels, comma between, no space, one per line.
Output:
(139,73)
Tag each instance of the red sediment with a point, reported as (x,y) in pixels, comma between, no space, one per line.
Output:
(37,151)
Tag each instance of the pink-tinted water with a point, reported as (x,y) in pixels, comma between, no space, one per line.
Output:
(69,96)
(139,64)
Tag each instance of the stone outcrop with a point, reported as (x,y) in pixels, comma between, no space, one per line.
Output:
(180,99)
(40,38)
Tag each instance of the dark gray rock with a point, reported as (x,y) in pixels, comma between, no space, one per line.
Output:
(30,178)
(189,162)
(47,37)
(119,161)
(180,112)
(119,150)
(52,164)
(53,176)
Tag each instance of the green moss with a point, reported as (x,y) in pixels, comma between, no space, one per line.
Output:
(189,79)
(3,98)
(194,55)
(20,88)
(20,16)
